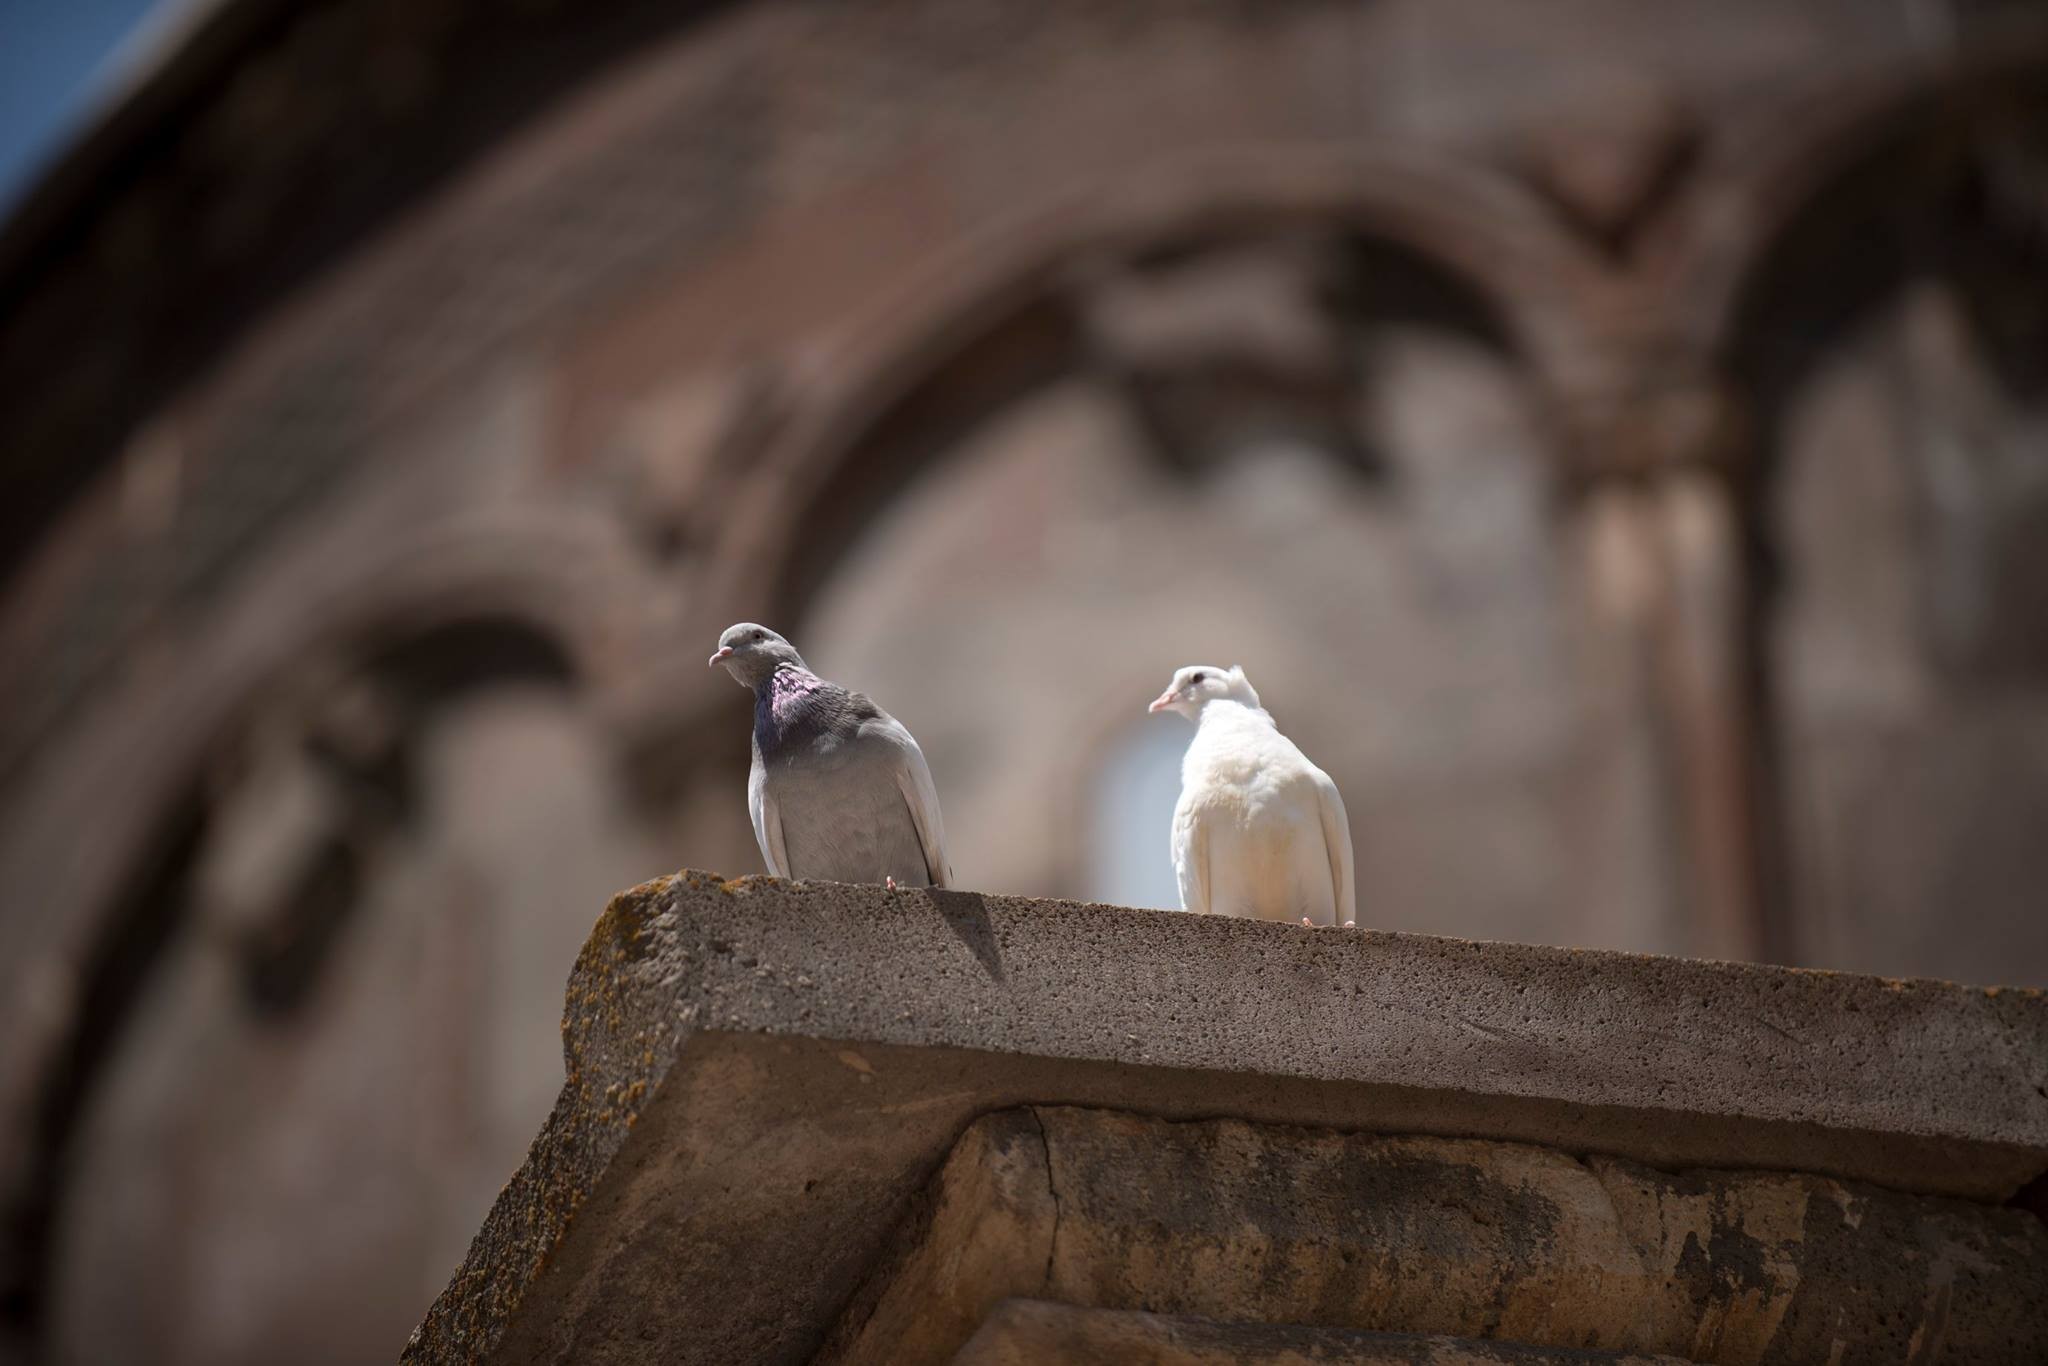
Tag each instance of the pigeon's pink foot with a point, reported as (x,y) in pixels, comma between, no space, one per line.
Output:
(1307,923)
(890,883)
(1351,924)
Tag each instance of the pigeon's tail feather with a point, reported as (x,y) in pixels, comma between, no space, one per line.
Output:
(767,818)
(1191,860)
(921,797)
(1337,839)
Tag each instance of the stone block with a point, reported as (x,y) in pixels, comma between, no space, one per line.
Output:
(1231,1222)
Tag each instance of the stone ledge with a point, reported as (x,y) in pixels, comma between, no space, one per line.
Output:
(762,1076)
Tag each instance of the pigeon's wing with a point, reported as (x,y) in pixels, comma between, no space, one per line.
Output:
(1191,859)
(1337,840)
(767,821)
(914,780)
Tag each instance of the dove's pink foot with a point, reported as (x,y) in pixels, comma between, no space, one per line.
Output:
(890,883)
(1307,923)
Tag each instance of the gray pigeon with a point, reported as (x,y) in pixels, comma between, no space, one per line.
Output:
(839,789)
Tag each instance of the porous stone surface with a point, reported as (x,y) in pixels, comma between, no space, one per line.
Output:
(1264,1224)
(763,1076)
(1031,1332)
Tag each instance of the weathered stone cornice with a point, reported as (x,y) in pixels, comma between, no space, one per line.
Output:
(763,1077)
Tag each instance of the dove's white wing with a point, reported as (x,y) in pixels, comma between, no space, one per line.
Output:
(1337,840)
(767,821)
(1191,859)
(914,780)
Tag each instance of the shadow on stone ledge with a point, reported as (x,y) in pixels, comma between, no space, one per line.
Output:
(815,1121)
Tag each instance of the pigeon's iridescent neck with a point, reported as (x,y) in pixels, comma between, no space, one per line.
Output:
(790,684)
(782,699)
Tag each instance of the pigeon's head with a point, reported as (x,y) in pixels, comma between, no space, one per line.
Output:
(752,653)
(1197,685)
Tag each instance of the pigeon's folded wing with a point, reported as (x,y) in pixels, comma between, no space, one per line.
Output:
(1191,860)
(914,780)
(1337,840)
(767,822)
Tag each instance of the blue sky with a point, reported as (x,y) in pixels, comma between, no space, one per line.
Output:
(53,56)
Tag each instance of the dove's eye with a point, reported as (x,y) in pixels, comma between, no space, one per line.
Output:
(1198,678)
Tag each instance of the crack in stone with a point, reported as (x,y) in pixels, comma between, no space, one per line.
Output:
(1052,1189)
(1780,1031)
(1636,1239)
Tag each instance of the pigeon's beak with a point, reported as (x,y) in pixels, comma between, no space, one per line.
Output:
(724,653)
(1163,701)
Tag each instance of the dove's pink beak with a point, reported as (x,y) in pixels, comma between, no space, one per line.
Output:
(1163,701)
(724,652)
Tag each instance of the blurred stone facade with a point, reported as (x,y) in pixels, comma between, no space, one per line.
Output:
(1614,438)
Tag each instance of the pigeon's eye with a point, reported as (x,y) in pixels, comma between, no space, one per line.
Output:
(759,636)
(1198,679)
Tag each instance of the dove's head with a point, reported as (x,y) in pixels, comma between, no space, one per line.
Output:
(752,653)
(1197,685)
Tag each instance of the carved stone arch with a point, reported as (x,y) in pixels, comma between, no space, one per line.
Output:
(1004,316)
(1005,324)
(1882,181)
(1775,194)
(566,579)
(1804,271)
(148,740)
(380,656)
(542,585)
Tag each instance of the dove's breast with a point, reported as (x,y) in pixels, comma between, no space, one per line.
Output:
(1252,803)
(1248,781)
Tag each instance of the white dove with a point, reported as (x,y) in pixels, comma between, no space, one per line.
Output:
(1259,831)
